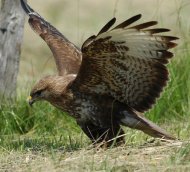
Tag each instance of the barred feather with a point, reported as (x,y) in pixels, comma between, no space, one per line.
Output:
(127,63)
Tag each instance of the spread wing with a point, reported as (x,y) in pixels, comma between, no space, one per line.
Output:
(127,63)
(67,55)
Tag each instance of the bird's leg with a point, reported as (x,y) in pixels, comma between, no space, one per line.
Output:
(107,136)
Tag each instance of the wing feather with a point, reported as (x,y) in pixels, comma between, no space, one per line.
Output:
(127,63)
(107,26)
(67,56)
(128,22)
(157,30)
(145,25)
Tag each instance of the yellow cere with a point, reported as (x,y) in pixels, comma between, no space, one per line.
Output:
(29,98)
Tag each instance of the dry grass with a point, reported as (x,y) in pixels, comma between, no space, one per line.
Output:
(150,157)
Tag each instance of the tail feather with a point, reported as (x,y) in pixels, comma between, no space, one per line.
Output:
(136,121)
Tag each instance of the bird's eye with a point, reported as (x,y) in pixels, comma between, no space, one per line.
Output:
(38,93)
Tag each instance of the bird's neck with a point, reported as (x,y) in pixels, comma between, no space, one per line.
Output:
(63,101)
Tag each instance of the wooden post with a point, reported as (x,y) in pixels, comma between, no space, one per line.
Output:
(11,34)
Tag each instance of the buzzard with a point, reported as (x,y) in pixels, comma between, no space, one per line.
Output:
(111,81)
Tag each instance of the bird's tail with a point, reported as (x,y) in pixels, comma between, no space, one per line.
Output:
(139,122)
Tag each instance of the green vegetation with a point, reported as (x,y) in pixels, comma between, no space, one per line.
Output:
(43,138)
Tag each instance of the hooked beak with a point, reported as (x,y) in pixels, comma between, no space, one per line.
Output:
(30,101)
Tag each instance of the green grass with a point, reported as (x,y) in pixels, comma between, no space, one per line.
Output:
(24,127)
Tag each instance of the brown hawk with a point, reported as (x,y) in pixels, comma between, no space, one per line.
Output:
(116,76)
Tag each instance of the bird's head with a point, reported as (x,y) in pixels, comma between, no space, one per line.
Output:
(49,88)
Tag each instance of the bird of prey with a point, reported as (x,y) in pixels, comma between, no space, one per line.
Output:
(111,81)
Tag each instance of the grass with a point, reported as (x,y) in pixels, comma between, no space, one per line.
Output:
(43,138)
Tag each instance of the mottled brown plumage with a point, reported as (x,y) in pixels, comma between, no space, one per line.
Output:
(114,78)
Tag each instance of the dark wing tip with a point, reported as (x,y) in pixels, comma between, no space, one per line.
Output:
(128,22)
(26,7)
(122,25)
(145,25)
(107,26)
(157,30)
